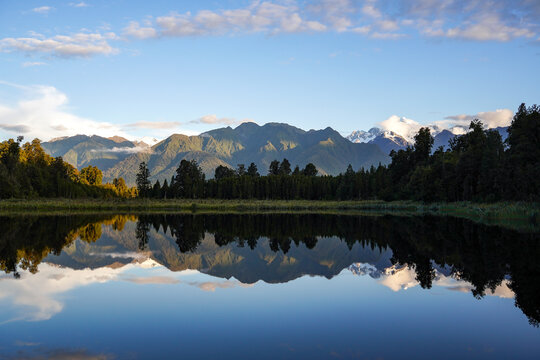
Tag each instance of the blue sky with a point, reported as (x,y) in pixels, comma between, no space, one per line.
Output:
(138,68)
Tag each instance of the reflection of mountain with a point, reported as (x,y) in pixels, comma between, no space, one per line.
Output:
(328,258)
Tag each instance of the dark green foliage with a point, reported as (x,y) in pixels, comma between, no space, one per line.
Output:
(143,183)
(252,170)
(26,171)
(310,170)
(285,167)
(189,181)
(273,169)
(223,172)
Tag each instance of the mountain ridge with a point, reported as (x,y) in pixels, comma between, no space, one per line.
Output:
(330,152)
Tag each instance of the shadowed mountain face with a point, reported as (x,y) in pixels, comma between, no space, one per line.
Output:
(81,150)
(278,248)
(249,142)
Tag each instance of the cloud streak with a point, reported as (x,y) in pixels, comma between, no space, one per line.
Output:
(42,9)
(65,46)
(482,21)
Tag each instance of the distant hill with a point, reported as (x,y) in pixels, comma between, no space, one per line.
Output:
(82,150)
(327,149)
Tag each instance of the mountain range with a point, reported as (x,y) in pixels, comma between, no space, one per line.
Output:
(330,152)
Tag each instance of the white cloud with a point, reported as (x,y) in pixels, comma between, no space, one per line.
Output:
(371,10)
(42,9)
(79,4)
(265,17)
(457,124)
(491,119)
(403,126)
(76,45)
(33,63)
(213,119)
(154,125)
(488,28)
(43,114)
(124,150)
(135,30)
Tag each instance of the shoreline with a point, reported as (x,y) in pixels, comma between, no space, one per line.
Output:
(509,214)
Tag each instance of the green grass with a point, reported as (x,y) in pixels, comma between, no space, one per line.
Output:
(501,213)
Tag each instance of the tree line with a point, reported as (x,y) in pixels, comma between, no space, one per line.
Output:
(26,171)
(477,166)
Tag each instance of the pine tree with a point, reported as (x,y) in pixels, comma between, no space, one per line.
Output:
(142,180)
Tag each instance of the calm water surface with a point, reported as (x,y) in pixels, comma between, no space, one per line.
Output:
(266,287)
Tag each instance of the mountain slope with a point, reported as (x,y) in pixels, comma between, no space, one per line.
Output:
(81,150)
(249,142)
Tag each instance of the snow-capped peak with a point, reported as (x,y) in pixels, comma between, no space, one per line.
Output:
(361,136)
(149,140)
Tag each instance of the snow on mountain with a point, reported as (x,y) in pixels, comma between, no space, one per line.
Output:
(361,136)
(148,140)
(386,140)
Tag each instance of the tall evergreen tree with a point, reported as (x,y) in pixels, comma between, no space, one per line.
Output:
(142,180)
(285,167)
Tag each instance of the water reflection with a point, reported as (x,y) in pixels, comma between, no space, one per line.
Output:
(400,252)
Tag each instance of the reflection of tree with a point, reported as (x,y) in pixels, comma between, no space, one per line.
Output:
(26,240)
(141,232)
(481,255)
(188,230)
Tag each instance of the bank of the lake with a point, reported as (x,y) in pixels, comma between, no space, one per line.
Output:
(523,213)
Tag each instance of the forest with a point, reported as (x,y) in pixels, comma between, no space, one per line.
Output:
(478,166)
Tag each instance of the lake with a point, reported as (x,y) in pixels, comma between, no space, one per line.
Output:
(267,286)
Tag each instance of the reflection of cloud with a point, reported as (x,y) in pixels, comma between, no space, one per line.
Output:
(37,297)
(398,278)
(26,343)
(153,280)
(125,255)
(61,354)
(401,277)
(213,285)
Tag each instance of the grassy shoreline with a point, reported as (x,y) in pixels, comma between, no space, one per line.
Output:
(488,213)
